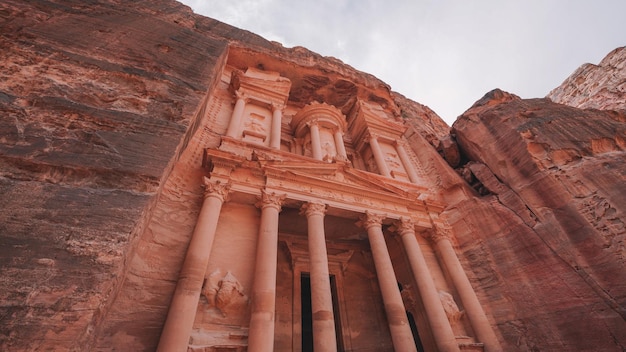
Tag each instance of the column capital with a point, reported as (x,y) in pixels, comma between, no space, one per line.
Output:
(437,234)
(405,226)
(270,199)
(277,106)
(241,95)
(371,137)
(370,219)
(313,122)
(313,208)
(216,189)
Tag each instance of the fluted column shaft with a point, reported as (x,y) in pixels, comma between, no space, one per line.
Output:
(316,143)
(341,148)
(473,309)
(235,119)
(277,113)
(379,156)
(263,305)
(437,318)
(324,337)
(406,161)
(182,312)
(401,334)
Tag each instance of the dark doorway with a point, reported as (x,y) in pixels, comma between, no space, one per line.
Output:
(307,313)
(416,336)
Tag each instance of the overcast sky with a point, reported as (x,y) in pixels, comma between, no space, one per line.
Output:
(444,54)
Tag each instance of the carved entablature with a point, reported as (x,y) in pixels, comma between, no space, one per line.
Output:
(263,88)
(320,122)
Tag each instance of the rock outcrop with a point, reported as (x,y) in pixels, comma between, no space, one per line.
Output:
(601,86)
(547,241)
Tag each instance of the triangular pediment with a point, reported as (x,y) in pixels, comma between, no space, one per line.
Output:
(340,176)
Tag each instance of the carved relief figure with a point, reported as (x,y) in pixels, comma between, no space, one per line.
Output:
(256,124)
(450,307)
(225,293)
(392,160)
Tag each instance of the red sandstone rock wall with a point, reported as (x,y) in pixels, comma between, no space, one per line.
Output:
(601,86)
(97,102)
(546,243)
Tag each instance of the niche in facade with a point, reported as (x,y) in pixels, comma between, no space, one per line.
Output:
(260,99)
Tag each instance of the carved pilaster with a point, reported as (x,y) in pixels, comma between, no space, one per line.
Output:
(313,208)
(216,189)
(270,199)
(370,219)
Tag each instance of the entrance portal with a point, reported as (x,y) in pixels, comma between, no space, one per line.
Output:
(307,313)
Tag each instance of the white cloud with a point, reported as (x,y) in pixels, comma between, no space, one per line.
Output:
(444,54)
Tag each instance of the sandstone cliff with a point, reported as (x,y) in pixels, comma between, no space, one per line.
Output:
(101,101)
(546,241)
(601,86)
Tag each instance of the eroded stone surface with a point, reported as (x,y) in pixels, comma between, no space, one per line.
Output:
(601,86)
(548,245)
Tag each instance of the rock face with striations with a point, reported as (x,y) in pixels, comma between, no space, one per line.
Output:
(103,116)
(547,240)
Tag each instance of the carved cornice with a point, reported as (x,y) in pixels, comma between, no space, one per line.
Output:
(370,219)
(313,208)
(271,199)
(216,189)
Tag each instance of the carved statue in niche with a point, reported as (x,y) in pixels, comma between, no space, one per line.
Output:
(224,292)
(371,163)
(392,160)
(256,123)
(450,307)
(328,150)
(308,149)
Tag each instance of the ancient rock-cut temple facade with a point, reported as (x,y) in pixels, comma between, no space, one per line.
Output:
(172,183)
(317,229)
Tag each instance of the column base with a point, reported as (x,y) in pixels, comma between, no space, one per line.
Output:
(467,343)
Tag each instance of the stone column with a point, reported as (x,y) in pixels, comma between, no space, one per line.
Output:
(324,337)
(473,309)
(298,147)
(406,161)
(401,334)
(235,119)
(341,148)
(316,143)
(379,156)
(261,333)
(277,114)
(437,318)
(182,312)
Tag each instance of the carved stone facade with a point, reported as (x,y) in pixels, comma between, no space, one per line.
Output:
(170,182)
(329,184)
